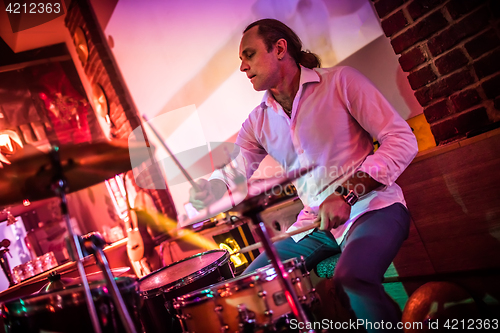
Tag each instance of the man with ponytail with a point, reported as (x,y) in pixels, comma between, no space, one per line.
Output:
(326,117)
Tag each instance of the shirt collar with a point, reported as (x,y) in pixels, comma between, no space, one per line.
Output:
(306,76)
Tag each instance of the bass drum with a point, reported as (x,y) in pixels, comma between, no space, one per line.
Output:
(161,287)
(66,310)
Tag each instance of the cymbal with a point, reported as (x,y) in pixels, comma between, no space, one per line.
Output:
(31,173)
(91,277)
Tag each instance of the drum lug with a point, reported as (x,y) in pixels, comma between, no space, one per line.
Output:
(183,316)
(246,317)
(295,280)
(268,313)
(223,327)
(262,293)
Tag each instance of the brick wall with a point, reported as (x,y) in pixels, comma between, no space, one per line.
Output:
(101,68)
(451,52)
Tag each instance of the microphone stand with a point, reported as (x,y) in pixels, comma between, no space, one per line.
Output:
(94,244)
(60,187)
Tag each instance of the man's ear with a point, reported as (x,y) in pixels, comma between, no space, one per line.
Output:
(280,48)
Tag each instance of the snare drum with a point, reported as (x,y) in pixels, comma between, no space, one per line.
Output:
(66,310)
(161,287)
(252,302)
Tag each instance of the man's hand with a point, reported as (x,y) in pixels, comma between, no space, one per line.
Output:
(210,191)
(204,197)
(333,212)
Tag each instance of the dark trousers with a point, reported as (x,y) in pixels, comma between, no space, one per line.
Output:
(368,249)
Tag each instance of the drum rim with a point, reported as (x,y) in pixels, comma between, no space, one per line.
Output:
(74,295)
(201,295)
(233,285)
(289,263)
(223,259)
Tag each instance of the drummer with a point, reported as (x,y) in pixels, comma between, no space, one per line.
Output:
(326,117)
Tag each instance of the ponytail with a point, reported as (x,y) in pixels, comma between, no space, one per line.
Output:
(309,59)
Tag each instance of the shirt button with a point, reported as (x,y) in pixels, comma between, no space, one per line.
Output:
(300,151)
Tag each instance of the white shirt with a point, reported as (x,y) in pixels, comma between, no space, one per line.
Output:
(335,115)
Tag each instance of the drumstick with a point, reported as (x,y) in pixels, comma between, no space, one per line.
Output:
(176,161)
(279,237)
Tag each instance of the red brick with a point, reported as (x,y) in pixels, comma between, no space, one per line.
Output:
(421,77)
(437,111)
(419,31)
(465,99)
(119,118)
(492,87)
(482,43)
(394,23)
(472,120)
(384,7)
(451,61)
(444,87)
(418,8)
(444,130)
(488,65)
(458,8)
(457,32)
(412,58)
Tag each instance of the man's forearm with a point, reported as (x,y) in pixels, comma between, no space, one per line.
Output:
(361,183)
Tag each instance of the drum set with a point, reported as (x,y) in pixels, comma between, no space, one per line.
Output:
(196,294)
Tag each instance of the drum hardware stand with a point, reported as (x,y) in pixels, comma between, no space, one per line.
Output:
(60,187)
(94,244)
(291,296)
(4,261)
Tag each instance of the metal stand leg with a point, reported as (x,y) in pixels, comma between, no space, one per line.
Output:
(286,284)
(59,186)
(94,244)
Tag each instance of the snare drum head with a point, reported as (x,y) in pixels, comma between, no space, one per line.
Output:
(182,272)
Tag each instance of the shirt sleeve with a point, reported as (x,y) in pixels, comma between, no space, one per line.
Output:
(246,157)
(398,145)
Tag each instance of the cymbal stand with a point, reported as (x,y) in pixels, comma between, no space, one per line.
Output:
(94,244)
(290,294)
(60,186)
